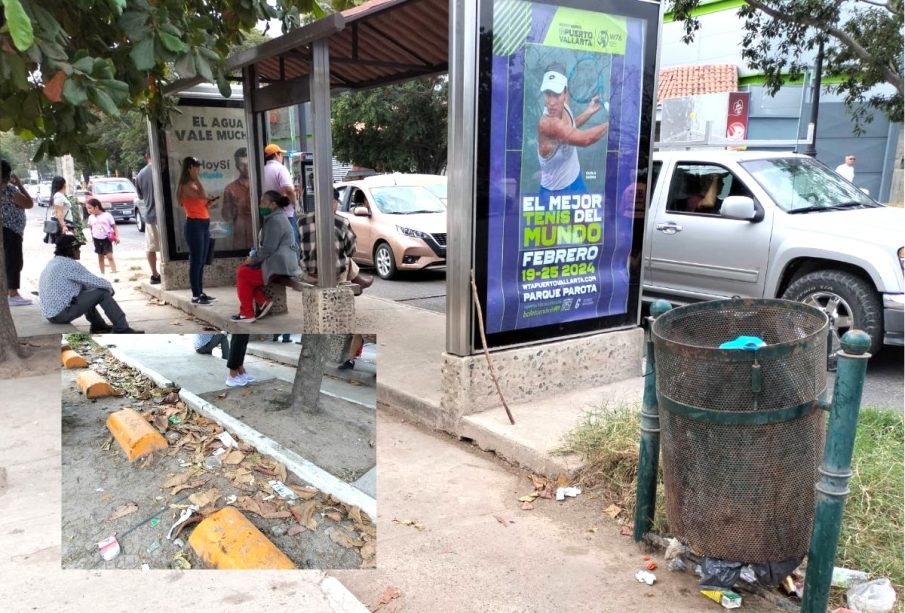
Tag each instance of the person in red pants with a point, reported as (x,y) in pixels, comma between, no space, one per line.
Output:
(278,256)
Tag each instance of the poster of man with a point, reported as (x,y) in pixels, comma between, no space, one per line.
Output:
(237,204)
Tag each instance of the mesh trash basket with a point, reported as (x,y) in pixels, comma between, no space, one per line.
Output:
(741,435)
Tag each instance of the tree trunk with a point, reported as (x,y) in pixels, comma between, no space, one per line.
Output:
(897,188)
(10,350)
(306,389)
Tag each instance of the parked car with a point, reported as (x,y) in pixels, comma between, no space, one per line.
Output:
(774,225)
(399,222)
(116,194)
(140,214)
(43,197)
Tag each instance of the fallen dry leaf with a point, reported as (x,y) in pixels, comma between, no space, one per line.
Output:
(120,511)
(295,529)
(626,530)
(233,457)
(530,498)
(409,522)
(562,480)
(305,493)
(178,479)
(527,506)
(390,594)
(161,423)
(354,514)
(368,550)
(538,482)
(613,510)
(304,514)
(247,392)
(334,516)
(341,538)
(501,520)
(205,498)
(190,485)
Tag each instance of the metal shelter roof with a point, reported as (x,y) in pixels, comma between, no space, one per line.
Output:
(376,43)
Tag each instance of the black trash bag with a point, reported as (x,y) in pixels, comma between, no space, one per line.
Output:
(771,574)
(719,573)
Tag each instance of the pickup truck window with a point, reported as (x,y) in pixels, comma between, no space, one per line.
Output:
(798,184)
(700,188)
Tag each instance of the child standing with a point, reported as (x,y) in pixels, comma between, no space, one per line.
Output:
(103,231)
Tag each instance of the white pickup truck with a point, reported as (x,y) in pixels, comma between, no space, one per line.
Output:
(774,225)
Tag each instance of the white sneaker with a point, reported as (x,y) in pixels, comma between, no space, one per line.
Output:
(248,377)
(19,301)
(237,381)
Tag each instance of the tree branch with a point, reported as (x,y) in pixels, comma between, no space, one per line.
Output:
(894,78)
(882,5)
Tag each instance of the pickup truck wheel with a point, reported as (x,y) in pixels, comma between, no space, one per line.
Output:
(849,299)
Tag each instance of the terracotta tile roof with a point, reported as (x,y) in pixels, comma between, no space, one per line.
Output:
(678,81)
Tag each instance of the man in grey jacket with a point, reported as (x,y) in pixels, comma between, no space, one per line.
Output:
(68,291)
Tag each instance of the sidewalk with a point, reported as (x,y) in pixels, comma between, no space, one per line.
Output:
(30,500)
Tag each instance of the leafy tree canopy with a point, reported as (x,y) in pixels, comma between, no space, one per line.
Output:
(399,128)
(862,45)
(66,64)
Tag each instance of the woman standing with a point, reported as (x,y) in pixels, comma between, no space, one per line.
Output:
(62,211)
(277,259)
(193,199)
(13,202)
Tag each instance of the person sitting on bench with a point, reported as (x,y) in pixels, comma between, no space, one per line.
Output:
(275,261)
(344,239)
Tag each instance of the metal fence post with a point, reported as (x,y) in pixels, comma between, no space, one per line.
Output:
(649,452)
(835,472)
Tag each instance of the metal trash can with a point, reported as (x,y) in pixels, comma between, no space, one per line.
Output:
(741,433)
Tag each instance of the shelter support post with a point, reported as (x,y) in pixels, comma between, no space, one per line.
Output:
(323,166)
(461,171)
(649,453)
(835,472)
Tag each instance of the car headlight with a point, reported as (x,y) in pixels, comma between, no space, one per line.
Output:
(902,257)
(412,232)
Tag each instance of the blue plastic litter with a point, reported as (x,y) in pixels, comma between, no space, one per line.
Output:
(749,343)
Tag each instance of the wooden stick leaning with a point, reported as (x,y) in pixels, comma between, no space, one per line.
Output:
(477,303)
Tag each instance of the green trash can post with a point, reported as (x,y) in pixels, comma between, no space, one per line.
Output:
(649,452)
(835,472)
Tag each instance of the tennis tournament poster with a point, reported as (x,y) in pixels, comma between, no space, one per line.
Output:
(566,107)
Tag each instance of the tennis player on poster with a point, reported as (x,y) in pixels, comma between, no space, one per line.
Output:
(558,134)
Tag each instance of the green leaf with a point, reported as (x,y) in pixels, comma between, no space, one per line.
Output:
(118,5)
(85,65)
(105,102)
(19,24)
(133,24)
(203,67)
(102,69)
(18,74)
(26,135)
(170,42)
(143,54)
(74,92)
(224,87)
(52,50)
(185,66)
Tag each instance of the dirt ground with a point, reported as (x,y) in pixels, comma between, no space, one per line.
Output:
(340,439)
(98,483)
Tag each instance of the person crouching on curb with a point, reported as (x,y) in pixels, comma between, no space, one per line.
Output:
(344,238)
(68,290)
(103,231)
(277,259)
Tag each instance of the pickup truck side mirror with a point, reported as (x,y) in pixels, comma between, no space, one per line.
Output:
(742,208)
(361,211)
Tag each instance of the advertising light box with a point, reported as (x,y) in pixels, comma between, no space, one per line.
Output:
(564,121)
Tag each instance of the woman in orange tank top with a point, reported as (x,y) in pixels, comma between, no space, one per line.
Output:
(194,200)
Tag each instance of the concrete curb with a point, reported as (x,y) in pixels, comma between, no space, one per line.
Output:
(330,371)
(302,468)
(158,379)
(340,598)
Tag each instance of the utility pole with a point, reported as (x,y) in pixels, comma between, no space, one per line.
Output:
(811,148)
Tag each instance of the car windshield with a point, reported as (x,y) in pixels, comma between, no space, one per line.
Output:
(113,187)
(405,200)
(803,185)
(438,190)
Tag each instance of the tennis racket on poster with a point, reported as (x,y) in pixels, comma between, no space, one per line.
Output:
(587,79)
